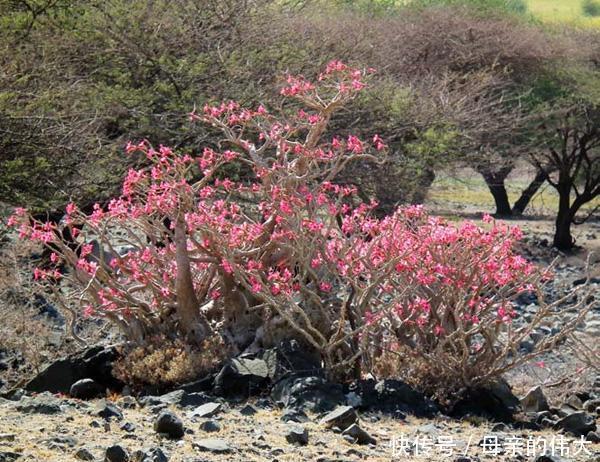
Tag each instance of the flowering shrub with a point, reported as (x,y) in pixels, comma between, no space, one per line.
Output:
(186,251)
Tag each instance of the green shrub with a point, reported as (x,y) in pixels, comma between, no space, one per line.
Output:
(510,6)
(591,7)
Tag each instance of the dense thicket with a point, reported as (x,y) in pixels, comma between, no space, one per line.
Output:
(458,81)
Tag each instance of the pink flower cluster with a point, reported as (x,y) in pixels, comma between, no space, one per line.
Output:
(295,239)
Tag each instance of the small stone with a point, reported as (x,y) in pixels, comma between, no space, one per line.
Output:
(574,402)
(547,422)
(593,437)
(348,438)
(84,454)
(591,405)
(7,436)
(549,458)
(535,401)
(128,427)
(540,415)
(85,389)
(248,410)
(577,423)
(341,417)
(127,402)
(500,427)
(44,403)
(210,426)
(207,410)
(64,441)
(428,429)
(116,453)
(294,415)
(169,424)
(108,410)
(212,445)
(295,434)
(149,455)
(359,435)
(8,456)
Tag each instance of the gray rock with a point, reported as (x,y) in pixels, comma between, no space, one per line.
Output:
(193,399)
(14,395)
(94,363)
(294,415)
(248,410)
(7,436)
(574,402)
(342,417)
(212,445)
(210,426)
(243,377)
(359,435)
(64,441)
(8,456)
(500,428)
(428,429)
(547,422)
(577,423)
(149,455)
(593,437)
(390,396)
(207,410)
(178,398)
(44,403)
(108,410)
(591,405)
(127,402)
(565,410)
(169,424)
(85,389)
(116,453)
(308,393)
(84,454)
(549,458)
(296,434)
(173,398)
(527,346)
(535,401)
(128,427)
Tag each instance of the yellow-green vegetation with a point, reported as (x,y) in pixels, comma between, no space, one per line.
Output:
(562,11)
(467,191)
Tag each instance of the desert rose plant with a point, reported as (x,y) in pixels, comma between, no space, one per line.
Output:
(187,252)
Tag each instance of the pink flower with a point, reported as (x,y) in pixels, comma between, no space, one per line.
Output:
(354,145)
(325,287)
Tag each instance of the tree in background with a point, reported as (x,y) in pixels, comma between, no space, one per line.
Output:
(572,151)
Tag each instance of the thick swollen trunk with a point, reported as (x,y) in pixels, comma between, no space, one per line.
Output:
(562,235)
(192,322)
(528,193)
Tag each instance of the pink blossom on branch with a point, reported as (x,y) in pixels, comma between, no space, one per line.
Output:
(291,245)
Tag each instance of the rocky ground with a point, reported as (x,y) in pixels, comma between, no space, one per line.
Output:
(560,420)
(176,427)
